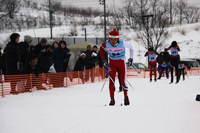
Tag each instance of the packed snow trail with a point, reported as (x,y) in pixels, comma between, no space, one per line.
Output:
(156,107)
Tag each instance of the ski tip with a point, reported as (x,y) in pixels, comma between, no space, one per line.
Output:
(121,104)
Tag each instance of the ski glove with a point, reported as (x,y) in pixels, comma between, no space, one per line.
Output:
(130,61)
(105,63)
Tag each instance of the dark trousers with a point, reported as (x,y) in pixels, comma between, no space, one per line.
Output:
(174,63)
(181,71)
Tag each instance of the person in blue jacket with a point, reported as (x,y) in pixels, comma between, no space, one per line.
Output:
(164,66)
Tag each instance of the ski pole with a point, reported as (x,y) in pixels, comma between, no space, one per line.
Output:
(104,84)
(135,69)
(129,84)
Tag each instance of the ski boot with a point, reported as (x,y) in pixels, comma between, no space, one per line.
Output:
(112,101)
(155,80)
(150,80)
(126,101)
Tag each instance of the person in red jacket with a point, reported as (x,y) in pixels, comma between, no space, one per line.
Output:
(116,51)
(174,60)
(152,62)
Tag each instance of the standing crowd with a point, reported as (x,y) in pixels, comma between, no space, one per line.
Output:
(19,58)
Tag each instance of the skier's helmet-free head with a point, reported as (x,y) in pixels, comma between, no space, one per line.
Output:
(174,44)
(114,34)
(150,49)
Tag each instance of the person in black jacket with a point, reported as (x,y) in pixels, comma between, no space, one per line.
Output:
(160,58)
(12,60)
(79,67)
(59,57)
(43,59)
(24,52)
(166,56)
(88,63)
(100,63)
(33,69)
(39,47)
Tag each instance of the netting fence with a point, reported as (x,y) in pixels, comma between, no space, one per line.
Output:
(47,81)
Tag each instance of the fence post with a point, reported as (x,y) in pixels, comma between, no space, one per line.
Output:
(78,77)
(66,79)
(49,81)
(31,82)
(2,83)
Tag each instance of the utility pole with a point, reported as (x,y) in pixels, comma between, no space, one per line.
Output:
(104,20)
(85,35)
(171,12)
(50,17)
(147,16)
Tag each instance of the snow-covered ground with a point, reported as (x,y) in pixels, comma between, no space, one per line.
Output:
(155,108)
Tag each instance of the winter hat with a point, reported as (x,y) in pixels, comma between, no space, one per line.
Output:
(27,38)
(174,44)
(83,54)
(14,36)
(51,41)
(43,40)
(114,34)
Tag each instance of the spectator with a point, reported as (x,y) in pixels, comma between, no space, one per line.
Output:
(39,47)
(51,42)
(79,67)
(166,56)
(160,58)
(12,60)
(65,65)
(2,63)
(94,56)
(59,57)
(33,69)
(100,63)
(55,45)
(24,52)
(43,59)
(88,64)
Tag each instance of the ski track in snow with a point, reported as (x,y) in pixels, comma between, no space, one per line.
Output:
(155,107)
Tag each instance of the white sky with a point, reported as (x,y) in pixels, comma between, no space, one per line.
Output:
(95,3)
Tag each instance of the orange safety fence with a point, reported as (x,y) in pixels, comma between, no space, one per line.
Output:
(14,84)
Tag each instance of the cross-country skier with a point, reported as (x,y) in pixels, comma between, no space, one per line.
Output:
(116,52)
(164,66)
(152,62)
(174,59)
(181,69)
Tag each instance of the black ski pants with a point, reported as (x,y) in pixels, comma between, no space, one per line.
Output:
(174,62)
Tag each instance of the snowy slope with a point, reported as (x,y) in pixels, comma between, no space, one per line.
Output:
(155,108)
(189,43)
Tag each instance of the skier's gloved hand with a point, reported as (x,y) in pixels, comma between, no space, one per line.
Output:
(105,63)
(130,61)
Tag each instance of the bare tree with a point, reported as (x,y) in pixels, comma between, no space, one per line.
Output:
(10,7)
(191,13)
(181,5)
(156,34)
